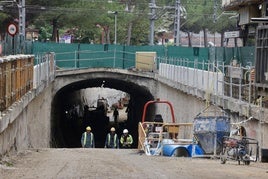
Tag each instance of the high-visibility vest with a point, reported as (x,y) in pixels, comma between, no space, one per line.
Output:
(109,139)
(85,138)
(129,139)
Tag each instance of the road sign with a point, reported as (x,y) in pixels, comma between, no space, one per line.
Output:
(232,34)
(12,29)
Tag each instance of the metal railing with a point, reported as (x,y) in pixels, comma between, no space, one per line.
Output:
(217,79)
(181,133)
(44,70)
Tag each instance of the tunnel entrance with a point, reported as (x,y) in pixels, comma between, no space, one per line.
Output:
(77,106)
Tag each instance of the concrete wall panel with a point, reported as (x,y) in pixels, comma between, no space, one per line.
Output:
(27,123)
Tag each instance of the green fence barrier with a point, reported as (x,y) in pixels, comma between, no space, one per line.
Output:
(244,55)
(119,56)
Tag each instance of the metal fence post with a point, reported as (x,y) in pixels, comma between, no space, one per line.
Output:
(249,91)
(78,56)
(75,59)
(231,84)
(217,79)
(222,83)
(207,88)
(114,57)
(240,87)
(187,72)
(203,67)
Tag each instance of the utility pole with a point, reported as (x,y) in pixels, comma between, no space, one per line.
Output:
(152,6)
(115,27)
(21,7)
(177,23)
(214,19)
(115,13)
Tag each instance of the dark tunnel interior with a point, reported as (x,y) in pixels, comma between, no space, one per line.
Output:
(66,131)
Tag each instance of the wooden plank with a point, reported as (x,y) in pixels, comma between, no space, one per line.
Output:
(31,72)
(13,80)
(173,129)
(2,87)
(18,84)
(22,77)
(8,84)
(27,75)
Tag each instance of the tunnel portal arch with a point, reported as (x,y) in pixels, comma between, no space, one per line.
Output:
(67,132)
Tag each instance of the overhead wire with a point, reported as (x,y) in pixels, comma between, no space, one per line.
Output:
(66,9)
(42,8)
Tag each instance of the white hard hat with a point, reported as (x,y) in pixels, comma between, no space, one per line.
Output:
(125,131)
(112,129)
(88,128)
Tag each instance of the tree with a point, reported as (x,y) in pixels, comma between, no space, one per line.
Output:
(4,20)
(201,16)
(222,25)
(89,21)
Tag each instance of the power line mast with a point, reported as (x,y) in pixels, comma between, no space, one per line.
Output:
(177,23)
(22,14)
(152,6)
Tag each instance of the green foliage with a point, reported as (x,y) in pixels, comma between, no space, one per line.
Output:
(3,17)
(85,17)
(45,33)
(203,15)
(4,20)
(199,14)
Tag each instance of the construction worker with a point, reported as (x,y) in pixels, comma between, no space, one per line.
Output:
(87,139)
(126,139)
(112,139)
(115,115)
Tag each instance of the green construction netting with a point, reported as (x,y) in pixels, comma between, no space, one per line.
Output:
(119,56)
(244,55)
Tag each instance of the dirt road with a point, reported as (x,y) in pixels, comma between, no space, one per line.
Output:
(119,163)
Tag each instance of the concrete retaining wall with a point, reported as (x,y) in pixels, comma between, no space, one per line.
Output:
(186,107)
(27,123)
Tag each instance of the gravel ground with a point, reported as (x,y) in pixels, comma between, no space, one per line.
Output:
(120,163)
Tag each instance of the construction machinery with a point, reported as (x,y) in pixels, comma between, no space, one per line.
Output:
(240,149)
(158,137)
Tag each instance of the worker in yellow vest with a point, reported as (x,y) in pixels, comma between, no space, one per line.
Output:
(87,139)
(126,139)
(112,139)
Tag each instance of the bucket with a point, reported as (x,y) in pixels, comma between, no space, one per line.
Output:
(209,132)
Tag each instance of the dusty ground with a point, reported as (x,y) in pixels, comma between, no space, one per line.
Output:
(119,163)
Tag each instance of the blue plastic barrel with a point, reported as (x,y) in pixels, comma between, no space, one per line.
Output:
(189,150)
